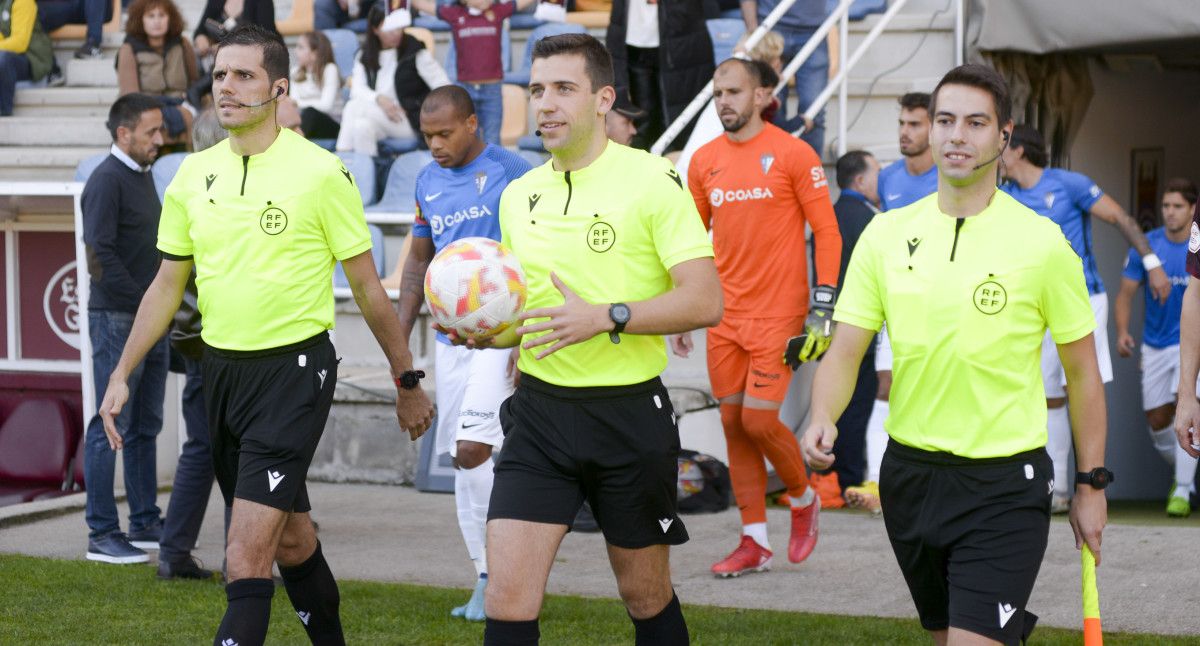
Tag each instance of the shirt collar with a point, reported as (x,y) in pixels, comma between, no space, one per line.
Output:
(849,192)
(127,160)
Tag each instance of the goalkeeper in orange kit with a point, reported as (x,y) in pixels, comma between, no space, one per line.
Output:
(756,187)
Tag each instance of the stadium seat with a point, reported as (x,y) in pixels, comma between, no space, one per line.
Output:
(345,48)
(327,144)
(589,19)
(725,34)
(524,19)
(378,254)
(77,479)
(521,76)
(164,170)
(78,31)
(505,55)
(432,23)
(531,142)
(363,169)
(393,146)
(861,8)
(516,107)
(300,21)
(533,157)
(36,444)
(85,168)
(399,191)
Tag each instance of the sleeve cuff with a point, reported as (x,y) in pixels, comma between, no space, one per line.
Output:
(704,251)
(864,322)
(1073,334)
(175,257)
(353,251)
(169,249)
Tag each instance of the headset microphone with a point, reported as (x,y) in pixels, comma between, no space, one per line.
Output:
(1004,134)
(538,133)
(278,93)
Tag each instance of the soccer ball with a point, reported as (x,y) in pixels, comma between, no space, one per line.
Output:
(475,287)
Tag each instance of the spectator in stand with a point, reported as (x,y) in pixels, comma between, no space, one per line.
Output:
(620,124)
(120,225)
(663,56)
(769,50)
(797,26)
(316,88)
(158,60)
(25,50)
(340,14)
(219,17)
(477,27)
(93,13)
(393,74)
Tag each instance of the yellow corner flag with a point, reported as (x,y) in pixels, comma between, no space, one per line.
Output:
(1092,634)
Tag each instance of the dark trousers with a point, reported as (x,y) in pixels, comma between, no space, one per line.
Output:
(850,448)
(13,67)
(646,93)
(93,13)
(318,125)
(193,476)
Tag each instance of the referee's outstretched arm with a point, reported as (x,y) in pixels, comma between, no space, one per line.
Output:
(154,315)
(1089,425)
(413,409)
(1187,412)
(831,390)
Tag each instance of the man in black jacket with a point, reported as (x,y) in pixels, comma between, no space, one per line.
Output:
(857,176)
(120,225)
(663,55)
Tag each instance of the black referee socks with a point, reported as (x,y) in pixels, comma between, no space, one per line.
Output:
(314,595)
(511,633)
(667,628)
(248,613)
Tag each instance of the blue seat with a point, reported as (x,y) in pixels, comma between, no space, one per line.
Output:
(363,169)
(432,23)
(725,34)
(521,76)
(345,48)
(861,8)
(85,168)
(524,19)
(164,171)
(533,157)
(393,146)
(505,55)
(327,144)
(378,254)
(399,192)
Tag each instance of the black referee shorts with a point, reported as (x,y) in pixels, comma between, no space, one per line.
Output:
(969,535)
(617,447)
(266,412)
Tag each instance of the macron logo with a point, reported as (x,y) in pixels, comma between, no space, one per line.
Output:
(274,478)
(1006,613)
(304,616)
(229,642)
(665,523)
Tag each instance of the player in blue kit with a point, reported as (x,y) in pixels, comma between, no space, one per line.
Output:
(1071,200)
(907,180)
(458,196)
(1160,335)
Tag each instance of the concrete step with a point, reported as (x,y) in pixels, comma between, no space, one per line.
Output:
(65,101)
(47,163)
(62,131)
(907,48)
(91,72)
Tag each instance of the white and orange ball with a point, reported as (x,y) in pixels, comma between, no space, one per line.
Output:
(475,287)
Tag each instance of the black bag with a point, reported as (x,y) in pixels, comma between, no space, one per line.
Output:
(704,485)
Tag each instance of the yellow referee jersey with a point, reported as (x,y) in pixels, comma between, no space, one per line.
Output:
(610,231)
(265,232)
(967,304)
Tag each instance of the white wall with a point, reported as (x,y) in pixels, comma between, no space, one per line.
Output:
(1134,111)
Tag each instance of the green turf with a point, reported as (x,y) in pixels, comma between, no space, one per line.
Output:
(50,602)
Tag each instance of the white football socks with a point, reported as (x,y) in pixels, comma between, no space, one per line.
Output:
(1185,472)
(877,439)
(1165,442)
(758,531)
(472,491)
(1058,445)
(804,500)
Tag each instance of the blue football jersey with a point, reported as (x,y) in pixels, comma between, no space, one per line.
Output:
(1162,319)
(897,188)
(1066,198)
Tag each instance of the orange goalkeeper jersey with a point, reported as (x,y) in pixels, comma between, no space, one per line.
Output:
(755,196)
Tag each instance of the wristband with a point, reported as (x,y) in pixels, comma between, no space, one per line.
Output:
(1151,261)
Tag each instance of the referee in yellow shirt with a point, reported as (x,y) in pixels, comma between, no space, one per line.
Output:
(968,281)
(264,216)
(616,257)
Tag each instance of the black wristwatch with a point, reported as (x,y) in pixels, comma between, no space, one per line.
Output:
(410,379)
(1098,478)
(619,313)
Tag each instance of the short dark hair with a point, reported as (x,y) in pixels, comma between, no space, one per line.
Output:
(274,51)
(127,111)
(914,100)
(850,166)
(452,95)
(596,60)
(1032,144)
(983,78)
(1183,186)
(761,73)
